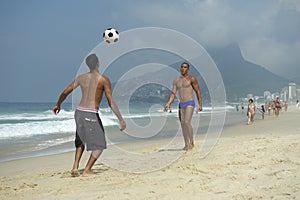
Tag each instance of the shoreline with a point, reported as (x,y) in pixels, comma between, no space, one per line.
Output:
(258,161)
(69,146)
(116,137)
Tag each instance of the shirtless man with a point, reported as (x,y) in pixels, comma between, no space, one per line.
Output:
(89,128)
(286,106)
(185,84)
(251,111)
(277,106)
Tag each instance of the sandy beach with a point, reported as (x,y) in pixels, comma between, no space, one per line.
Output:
(259,161)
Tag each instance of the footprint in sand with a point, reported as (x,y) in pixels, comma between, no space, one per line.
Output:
(27,185)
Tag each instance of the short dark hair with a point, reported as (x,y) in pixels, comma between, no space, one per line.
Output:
(251,100)
(186,64)
(92,61)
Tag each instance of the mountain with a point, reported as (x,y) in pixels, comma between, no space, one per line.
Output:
(242,77)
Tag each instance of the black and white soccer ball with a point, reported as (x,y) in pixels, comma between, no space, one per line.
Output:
(111,35)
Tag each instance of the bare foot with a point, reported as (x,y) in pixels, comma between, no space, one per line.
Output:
(89,173)
(75,173)
(185,148)
(191,146)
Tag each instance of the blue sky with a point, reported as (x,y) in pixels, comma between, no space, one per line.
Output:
(43,42)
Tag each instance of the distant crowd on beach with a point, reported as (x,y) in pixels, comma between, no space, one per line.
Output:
(272,108)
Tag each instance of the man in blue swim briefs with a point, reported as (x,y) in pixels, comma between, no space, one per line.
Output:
(89,128)
(185,85)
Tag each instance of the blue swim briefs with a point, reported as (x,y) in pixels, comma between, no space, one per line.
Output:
(183,105)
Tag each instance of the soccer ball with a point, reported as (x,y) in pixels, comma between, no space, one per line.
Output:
(111,35)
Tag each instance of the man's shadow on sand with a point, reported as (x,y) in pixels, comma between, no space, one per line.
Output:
(163,150)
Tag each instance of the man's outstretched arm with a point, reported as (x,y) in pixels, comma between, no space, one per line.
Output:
(63,96)
(172,97)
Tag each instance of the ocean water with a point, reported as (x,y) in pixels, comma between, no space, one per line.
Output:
(31,129)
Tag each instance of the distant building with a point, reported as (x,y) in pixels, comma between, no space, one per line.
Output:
(292,92)
(298,94)
(267,95)
(259,99)
(275,95)
(284,94)
(249,96)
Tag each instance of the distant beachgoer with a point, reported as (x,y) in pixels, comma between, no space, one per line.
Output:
(263,108)
(185,85)
(243,107)
(263,111)
(89,128)
(297,103)
(285,106)
(269,108)
(237,107)
(251,111)
(273,107)
(277,104)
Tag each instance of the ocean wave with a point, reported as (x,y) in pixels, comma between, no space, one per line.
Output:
(29,124)
(29,129)
(53,142)
(35,116)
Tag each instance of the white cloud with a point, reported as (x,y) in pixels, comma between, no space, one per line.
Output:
(292,4)
(268,31)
